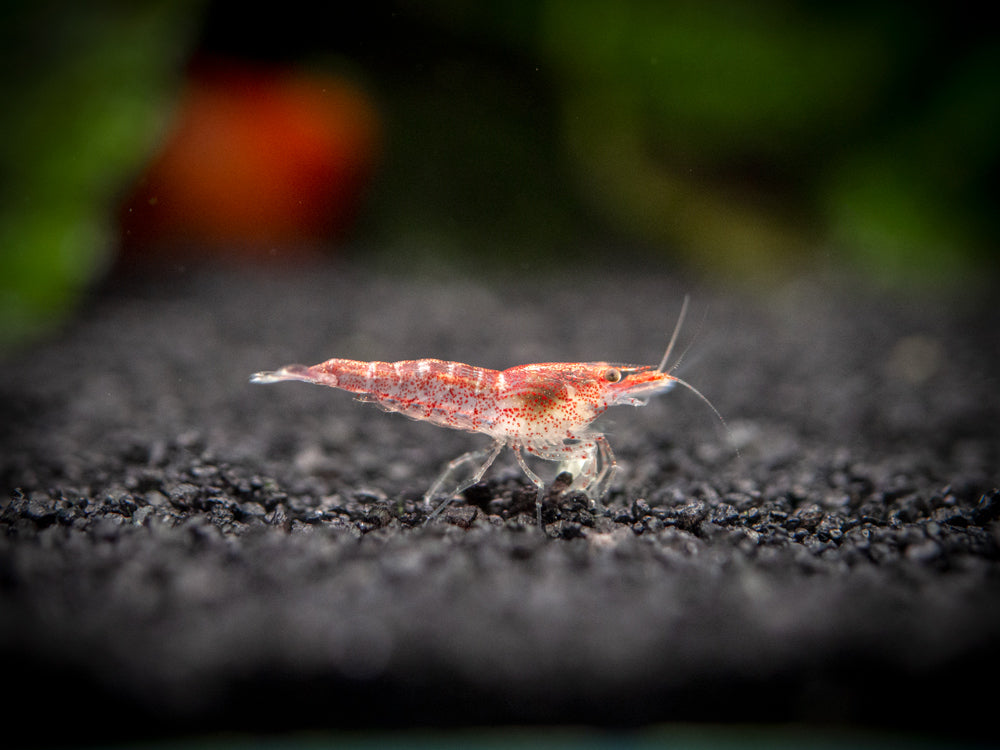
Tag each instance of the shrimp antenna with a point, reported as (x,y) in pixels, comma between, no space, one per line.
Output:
(695,391)
(673,337)
(711,406)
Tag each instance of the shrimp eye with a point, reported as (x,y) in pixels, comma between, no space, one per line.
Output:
(612,374)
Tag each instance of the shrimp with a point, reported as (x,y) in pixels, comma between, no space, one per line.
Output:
(541,410)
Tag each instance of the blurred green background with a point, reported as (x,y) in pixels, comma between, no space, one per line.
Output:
(740,141)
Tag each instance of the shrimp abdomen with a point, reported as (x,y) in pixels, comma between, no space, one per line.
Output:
(450,394)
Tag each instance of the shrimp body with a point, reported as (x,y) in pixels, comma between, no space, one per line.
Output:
(544,410)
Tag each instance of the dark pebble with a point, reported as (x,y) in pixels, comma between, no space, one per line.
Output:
(724,514)
(809,517)
(689,516)
(988,508)
(40,507)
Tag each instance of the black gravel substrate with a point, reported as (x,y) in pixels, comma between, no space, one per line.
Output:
(182,551)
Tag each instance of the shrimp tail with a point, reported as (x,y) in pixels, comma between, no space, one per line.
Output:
(295,372)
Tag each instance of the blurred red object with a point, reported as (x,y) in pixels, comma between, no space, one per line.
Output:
(260,162)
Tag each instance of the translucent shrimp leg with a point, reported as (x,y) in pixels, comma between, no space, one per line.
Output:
(536,480)
(591,463)
(484,458)
(608,467)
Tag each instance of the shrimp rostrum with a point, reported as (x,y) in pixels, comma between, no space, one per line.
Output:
(541,410)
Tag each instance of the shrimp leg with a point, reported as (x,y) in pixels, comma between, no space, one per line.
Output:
(536,480)
(591,463)
(602,482)
(484,458)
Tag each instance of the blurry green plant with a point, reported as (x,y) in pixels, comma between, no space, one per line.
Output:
(746,135)
(921,201)
(748,139)
(84,90)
